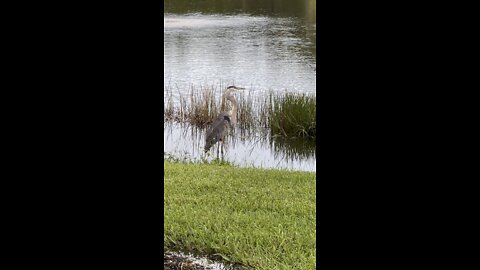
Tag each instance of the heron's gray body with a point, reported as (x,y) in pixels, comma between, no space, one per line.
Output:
(218,130)
(224,121)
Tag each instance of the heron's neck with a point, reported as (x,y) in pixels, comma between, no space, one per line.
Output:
(233,111)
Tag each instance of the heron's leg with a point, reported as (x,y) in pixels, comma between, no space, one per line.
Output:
(221,144)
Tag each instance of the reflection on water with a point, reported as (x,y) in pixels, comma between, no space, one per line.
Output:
(252,151)
(293,148)
(281,8)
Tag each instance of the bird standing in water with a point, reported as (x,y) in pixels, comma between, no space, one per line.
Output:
(224,121)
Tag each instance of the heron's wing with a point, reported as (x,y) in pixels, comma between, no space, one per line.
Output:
(219,122)
(217,130)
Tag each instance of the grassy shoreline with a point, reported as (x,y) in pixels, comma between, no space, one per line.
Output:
(260,218)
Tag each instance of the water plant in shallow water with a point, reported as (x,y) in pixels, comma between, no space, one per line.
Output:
(292,115)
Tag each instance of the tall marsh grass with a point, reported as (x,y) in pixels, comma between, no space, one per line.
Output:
(198,108)
(286,115)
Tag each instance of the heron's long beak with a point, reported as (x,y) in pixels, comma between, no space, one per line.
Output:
(233,87)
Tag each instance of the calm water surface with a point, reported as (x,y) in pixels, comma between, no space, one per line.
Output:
(260,52)
(249,51)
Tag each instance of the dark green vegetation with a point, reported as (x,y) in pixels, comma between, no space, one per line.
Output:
(263,219)
(293,115)
(287,115)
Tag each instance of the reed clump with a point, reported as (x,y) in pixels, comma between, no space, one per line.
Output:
(292,115)
(199,108)
(202,108)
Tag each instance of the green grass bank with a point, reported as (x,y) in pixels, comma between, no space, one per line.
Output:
(263,219)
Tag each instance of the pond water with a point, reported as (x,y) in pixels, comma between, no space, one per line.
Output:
(259,46)
(253,150)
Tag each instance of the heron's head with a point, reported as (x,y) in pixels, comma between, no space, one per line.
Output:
(231,89)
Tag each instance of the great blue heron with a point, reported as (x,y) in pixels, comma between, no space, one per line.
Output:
(219,128)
